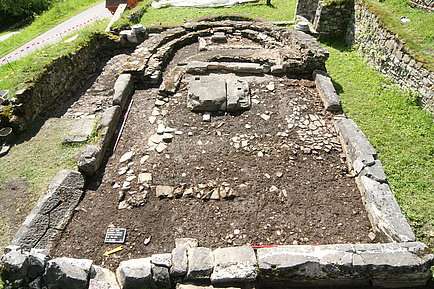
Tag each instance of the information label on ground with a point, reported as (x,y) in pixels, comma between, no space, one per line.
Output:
(115,236)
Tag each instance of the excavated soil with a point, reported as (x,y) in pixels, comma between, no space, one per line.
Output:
(281,159)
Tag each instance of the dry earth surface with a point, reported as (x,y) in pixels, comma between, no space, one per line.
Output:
(281,160)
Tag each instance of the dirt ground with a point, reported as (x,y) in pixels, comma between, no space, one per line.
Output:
(281,159)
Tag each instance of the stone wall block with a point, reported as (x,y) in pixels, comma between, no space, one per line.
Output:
(88,163)
(161,277)
(328,94)
(15,265)
(358,148)
(207,94)
(124,87)
(135,273)
(238,94)
(67,273)
(236,264)
(288,263)
(38,258)
(200,263)
(102,278)
(384,212)
(179,262)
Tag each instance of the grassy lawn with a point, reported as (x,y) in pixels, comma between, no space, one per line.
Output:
(61,11)
(418,35)
(280,10)
(400,130)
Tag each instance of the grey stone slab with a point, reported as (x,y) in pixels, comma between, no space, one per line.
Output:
(124,87)
(67,273)
(37,259)
(64,180)
(179,262)
(88,162)
(110,117)
(219,37)
(277,69)
(75,139)
(234,264)
(198,67)
(288,262)
(200,263)
(327,91)
(238,94)
(375,172)
(82,127)
(384,212)
(207,93)
(359,150)
(164,192)
(102,278)
(162,260)
(248,68)
(135,273)
(161,277)
(395,267)
(15,265)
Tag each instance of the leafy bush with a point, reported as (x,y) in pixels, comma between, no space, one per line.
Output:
(13,11)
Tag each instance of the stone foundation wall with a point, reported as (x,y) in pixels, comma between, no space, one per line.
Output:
(385,52)
(331,20)
(306,9)
(61,78)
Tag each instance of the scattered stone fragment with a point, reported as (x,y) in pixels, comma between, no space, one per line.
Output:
(145,178)
(144,159)
(188,193)
(126,157)
(372,236)
(130,178)
(178,132)
(265,116)
(164,192)
(155,112)
(159,102)
(147,241)
(167,137)
(206,116)
(126,186)
(161,147)
(160,128)
(219,37)
(152,119)
(274,189)
(270,86)
(156,138)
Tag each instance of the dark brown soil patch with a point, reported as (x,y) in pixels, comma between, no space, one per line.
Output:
(287,151)
(14,208)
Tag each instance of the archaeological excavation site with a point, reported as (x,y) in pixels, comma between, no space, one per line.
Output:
(222,158)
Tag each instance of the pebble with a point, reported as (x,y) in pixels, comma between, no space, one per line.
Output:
(270,86)
(248,126)
(273,189)
(206,117)
(178,132)
(161,147)
(145,177)
(155,112)
(169,130)
(156,138)
(152,119)
(130,178)
(160,128)
(255,101)
(159,102)
(260,154)
(126,157)
(236,232)
(147,241)
(123,205)
(167,137)
(116,186)
(122,171)
(144,159)
(265,116)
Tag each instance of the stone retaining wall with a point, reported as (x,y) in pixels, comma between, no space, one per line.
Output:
(61,78)
(385,52)
(384,265)
(331,19)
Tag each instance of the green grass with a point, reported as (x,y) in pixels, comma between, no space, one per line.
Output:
(418,35)
(280,10)
(60,12)
(32,66)
(37,157)
(399,129)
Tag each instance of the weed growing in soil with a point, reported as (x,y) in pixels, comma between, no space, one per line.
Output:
(400,130)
